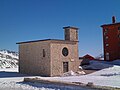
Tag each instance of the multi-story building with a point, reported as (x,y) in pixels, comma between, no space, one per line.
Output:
(111,40)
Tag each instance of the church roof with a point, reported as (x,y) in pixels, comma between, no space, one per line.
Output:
(58,40)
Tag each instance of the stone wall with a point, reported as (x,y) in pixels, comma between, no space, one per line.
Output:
(57,58)
(31,60)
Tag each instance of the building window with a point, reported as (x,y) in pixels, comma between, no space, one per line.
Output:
(118,28)
(107,45)
(65,51)
(67,34)
(107,56)
(106,30)
(105,33)
(106,37)
(76,34)
(43,52)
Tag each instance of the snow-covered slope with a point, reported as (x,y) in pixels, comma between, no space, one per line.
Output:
(98,65)
(8,59)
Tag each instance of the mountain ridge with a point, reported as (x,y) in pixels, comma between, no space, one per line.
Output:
(8,59)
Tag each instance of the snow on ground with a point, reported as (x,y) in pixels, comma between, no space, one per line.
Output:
(10,79)
(109,76)
(97,65)
(106,77)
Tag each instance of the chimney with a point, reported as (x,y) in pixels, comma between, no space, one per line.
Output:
(113,19)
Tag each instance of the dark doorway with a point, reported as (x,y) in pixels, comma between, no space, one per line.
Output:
(65,67)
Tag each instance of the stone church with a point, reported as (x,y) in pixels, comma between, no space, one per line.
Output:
(50,57)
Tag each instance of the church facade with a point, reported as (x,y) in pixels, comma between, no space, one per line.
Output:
(50,57)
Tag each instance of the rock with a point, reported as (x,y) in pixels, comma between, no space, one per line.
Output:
(90,84)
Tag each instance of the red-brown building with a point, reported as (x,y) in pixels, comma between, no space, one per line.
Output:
(111,40)
(89,57)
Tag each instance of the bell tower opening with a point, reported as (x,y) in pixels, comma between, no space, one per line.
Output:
(71,33)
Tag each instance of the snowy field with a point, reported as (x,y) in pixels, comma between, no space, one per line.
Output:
(11,80)
(106,77)
(109,75)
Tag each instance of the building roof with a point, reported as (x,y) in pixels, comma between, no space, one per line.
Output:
(87,56)
(47,40)
(110,24)
(68,27)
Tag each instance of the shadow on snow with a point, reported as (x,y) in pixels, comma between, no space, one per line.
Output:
(4,74)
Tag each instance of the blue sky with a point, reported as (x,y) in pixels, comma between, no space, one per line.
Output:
(23,20)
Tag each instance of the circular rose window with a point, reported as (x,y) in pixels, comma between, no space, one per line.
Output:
(65,51)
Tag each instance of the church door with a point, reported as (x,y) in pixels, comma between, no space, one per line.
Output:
(65,67)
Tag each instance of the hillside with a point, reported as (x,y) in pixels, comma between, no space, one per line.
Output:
(8,59)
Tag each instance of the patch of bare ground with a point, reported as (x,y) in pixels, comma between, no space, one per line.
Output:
(89,71)
(88,86)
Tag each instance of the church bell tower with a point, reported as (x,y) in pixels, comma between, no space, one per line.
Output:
(71,33)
